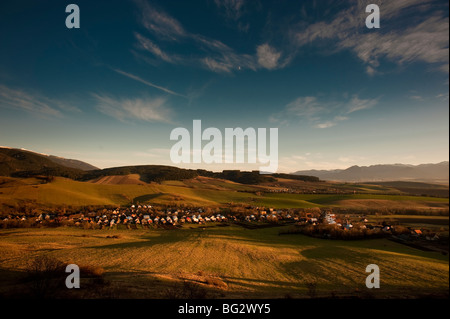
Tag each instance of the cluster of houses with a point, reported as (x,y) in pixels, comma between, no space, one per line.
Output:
(329,218)
(315,190)
(146,215)
(363,223)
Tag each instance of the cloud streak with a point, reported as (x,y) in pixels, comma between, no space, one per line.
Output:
(32,102)
(136,78)
(146,109)
(322,114)
(426,41)
(159,23)
(211,54)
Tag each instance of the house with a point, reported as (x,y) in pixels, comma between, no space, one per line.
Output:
(348,226)
(330,218)
(416,232)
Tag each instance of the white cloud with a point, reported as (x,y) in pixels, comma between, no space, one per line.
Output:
(321,114)
(159,23)
(370,70)
(331,123)
(217,66)
(416,97)
(33,102)
(267,56)
(150,46)
(304,106)
(356,104)
(134,77)
(426,41)
(147,109)
(325,125)
(211,53)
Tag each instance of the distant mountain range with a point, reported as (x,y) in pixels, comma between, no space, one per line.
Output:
(437,173)
(24,163)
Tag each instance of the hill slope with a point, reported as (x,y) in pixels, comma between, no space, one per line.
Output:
(72,163)
(22,163)
(14,160)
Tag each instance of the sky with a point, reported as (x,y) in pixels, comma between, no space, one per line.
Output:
(111,91)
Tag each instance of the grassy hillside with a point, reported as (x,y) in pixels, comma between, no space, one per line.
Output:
(195,192)
(20,163)
(247,263)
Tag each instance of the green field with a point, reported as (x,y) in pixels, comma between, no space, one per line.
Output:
(197,192)
(247,263)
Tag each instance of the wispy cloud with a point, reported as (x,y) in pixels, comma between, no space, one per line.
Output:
(150,46)
(160,23)
(136,78)
(416,97)
(268,57)
(426,41)
(357,104)
(307,106)
(33,102)
(217,66)
(145,109)
(322,114)
(331,123)
(211,54)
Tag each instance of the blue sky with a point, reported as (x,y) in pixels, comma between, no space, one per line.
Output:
(340,94)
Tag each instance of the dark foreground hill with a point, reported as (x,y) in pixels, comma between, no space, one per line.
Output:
(23,163)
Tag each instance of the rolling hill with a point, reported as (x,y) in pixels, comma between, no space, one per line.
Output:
(72,163)
(22,163)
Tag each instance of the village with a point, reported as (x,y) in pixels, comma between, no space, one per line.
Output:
(314,222)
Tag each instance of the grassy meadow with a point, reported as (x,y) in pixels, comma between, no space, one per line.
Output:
(230,262)
(197,192)
(226,261)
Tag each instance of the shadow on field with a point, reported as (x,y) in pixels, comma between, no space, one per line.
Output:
(146,198)
(333,252)
(9,279)
(168,237)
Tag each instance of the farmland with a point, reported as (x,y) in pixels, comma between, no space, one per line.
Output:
(201,191)
(228,259)
(229,262)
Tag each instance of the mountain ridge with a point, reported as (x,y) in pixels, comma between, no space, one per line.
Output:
(14,160)
(436,172)
(22,163)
